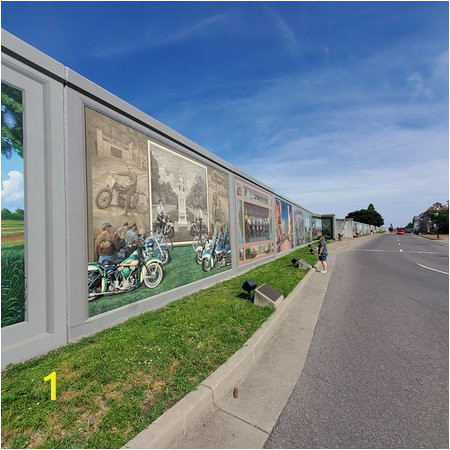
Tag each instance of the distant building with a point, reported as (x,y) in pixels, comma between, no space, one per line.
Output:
(423,223)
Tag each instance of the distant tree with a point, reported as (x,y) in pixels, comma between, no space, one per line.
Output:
(410,225)
(6,214)
(440,218)
(18,214)
(369,216)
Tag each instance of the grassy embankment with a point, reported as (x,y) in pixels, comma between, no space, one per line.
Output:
(112,385)
(13,272)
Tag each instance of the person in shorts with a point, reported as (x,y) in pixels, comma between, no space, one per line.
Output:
(323,252)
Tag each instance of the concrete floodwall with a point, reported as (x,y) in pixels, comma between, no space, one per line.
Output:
(348,228)
(76,159)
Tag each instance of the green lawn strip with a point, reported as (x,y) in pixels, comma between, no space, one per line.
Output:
(112,385)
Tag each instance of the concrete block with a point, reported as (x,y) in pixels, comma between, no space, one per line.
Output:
(302,264)
(266,296)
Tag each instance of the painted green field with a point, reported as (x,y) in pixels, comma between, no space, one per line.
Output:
(12,232)
(13,285)
(181,270)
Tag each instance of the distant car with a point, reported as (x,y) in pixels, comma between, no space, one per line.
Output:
(400,232)
(408,230)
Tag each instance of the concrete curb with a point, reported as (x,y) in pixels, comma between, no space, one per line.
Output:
(190,409)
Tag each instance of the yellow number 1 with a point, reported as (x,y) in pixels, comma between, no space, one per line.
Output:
(52,378)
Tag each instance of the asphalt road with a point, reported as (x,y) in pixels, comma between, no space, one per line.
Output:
(376,375)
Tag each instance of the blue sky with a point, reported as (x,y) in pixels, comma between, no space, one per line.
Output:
(335,104)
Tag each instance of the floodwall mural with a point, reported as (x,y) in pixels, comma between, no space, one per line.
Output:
(327,227)
(157,219)
(285,226)
(254,223)
(316,227)
(302,226)
(13,289)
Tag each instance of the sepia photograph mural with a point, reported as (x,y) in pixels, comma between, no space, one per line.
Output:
(284,223)
(117,176)
(218,199)
(13,204)
(316,227)
(307,221)
(179,192)
(300,234)
(157,219)
(254,220)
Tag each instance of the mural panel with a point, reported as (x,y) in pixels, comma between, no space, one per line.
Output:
(316,227)
(254,222)
(13,203)
(327,227)
(284,221)
(179,192)
(117,177)
(302,226)
(157,219)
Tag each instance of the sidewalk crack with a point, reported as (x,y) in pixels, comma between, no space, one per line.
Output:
(242,420)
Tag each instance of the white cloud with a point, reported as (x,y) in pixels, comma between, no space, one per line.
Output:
(153,40)
(286,33)
(419,85)
(12,189)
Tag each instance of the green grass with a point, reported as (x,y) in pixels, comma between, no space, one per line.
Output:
(112,385)
(13,285)
(181,270)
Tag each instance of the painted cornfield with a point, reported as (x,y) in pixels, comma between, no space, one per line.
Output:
(13,258)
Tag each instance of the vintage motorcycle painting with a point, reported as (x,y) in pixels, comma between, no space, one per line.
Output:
(117,175)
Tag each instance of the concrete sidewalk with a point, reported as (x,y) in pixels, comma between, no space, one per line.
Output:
(245,419)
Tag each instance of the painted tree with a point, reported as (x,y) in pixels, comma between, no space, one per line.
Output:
(12,127)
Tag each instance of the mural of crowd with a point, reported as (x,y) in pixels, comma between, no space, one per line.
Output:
(254,217)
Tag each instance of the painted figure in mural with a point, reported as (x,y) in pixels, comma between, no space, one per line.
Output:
(105,244)
(131,186)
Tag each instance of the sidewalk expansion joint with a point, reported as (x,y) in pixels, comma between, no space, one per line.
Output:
(242,420)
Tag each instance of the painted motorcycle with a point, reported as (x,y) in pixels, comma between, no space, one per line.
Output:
(104,197)
(216,252)
(195,228)
(164,226)
(112,277)
(154,246)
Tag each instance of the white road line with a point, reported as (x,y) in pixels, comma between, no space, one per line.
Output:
(430,268)
(401,251)
(395,251)
(399,243)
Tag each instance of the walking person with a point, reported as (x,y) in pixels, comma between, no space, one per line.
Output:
(323,252)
